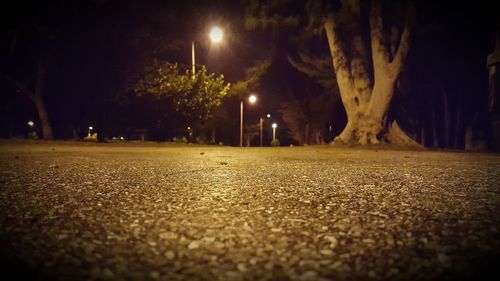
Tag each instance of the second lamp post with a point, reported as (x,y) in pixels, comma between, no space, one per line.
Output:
(251,99)
(274,130)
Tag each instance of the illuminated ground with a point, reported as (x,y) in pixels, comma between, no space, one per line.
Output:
(132,212)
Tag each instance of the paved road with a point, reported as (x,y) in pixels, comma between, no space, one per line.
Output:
(131,212)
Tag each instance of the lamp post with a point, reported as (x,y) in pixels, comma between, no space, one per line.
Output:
(90,131)
(262,121)
(329,133)
(193,58)
(190,133)
(31,127)
(216,35)
(274,130)
(252,99)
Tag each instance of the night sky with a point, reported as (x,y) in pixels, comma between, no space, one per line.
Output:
(95,50)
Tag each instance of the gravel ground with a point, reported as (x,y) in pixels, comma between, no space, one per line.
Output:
(71,211)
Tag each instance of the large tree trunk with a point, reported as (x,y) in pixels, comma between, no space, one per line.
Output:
(44,118)
(306,135)
(446,119)
(458,121)
(435,138)
(367,102)
(36,97)
(422,135)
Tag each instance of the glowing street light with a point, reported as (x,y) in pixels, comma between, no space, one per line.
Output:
(274,130)
(31,129)
(216,35)
(90,130)
(252,99)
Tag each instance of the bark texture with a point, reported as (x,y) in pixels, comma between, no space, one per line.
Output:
(366,87)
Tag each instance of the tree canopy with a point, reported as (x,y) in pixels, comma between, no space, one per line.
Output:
(195,97)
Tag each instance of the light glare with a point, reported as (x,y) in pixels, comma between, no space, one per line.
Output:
(216,34)
(252,99)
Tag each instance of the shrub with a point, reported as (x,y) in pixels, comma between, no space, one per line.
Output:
(180,139)
(33,135)
(92,137)
(275,142)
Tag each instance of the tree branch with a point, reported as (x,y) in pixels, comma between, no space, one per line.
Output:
(338,56)
(404,44)
(359,60)
(379,50)
(40,77)
(18,85)
(393,41)
(318,68)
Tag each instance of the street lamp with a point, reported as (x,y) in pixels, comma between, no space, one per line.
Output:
(252,99)
(31,129)
(216,35)
(90,130)
(262,121)
(274,130)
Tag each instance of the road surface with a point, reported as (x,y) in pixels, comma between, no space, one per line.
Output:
(77,211)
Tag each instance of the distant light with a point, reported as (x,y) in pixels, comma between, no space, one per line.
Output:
(31,123)
(268,115)
(189,128)
(252,99)
(91,128)
(216,34)
(275,125)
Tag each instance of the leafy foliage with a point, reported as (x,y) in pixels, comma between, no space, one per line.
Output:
(300,24)
(252,78)
(195,98)
(269,14)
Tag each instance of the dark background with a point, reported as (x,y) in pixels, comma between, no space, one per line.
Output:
(95,50)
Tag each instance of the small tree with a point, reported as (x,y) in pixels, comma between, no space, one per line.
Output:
(194,97)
